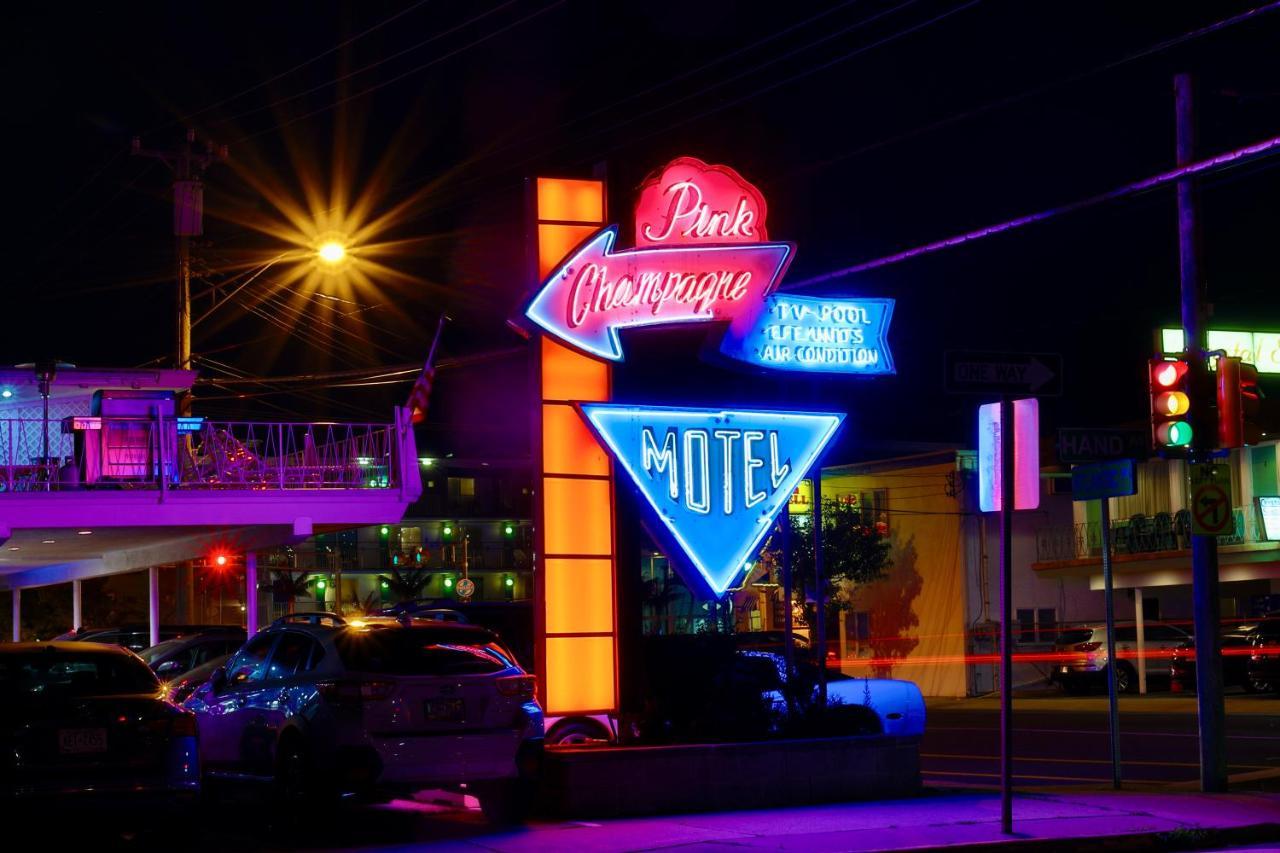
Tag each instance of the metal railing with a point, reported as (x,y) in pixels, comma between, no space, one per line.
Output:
(192,453)
(1138,534)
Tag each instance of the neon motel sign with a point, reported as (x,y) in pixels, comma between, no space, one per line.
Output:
(702,254)
(714,478)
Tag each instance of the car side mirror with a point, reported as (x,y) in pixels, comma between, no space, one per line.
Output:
(218,681)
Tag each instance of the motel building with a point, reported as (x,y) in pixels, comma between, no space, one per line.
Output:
(932,618)
(105,490)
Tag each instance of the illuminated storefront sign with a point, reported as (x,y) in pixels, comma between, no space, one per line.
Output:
(1258,348)
(823,334)
(702,254)
(1269,512)
(715,478)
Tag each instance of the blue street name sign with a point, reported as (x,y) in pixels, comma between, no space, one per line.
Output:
(1101,480)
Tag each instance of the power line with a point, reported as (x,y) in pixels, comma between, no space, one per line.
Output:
(259,85)
(1258,149)
(370,89)
(348,75)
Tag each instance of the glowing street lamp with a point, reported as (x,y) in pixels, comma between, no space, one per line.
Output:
(331,252)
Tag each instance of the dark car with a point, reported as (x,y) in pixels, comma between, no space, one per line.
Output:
(135,638)
(88,721)
(178,689)
(1263,669)
(172,658)
(336,710)
(1236,647)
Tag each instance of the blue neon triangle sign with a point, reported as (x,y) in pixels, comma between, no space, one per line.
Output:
(715,478)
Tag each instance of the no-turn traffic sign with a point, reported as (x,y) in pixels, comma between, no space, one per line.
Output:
(1211,513)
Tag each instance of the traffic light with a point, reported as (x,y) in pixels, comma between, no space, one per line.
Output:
(1170,385)
(1239,403)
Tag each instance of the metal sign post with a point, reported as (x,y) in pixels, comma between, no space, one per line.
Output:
(1102,481)
(1006,615)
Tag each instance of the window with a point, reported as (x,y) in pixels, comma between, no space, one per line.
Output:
(1046,623)
(872,503)
(43,675)
(1162,633)
(462,487)
(250,663)
(423,651)
(1026,626)
(290,656)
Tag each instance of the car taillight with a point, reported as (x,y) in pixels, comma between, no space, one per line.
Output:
(354,692)
(522,686)
(1086,647)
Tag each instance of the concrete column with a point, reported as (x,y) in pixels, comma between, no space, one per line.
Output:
(77,610)
(17,615)
(1142,640)
(251,592)
(153,603)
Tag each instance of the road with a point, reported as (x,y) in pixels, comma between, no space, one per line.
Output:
(1063,741)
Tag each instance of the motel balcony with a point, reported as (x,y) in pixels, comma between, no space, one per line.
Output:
(1154,550)
(98,477)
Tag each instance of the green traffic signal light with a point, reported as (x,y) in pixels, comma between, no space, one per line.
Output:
(1175,434)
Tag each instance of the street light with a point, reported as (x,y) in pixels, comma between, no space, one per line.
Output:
(331,252)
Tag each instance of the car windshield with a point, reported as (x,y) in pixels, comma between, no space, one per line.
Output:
(1073,635)
(427,651)
(56,674)
(160,650)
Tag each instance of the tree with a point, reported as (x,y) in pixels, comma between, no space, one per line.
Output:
(289,586)
(407,584)
(855,551)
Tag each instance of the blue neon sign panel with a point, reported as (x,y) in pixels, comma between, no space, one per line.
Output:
(815,334)
(715,478)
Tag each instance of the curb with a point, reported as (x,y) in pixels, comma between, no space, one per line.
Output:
(1191,838)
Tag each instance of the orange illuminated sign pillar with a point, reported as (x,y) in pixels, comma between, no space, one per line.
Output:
(575,617)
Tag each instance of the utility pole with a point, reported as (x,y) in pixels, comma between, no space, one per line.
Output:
(1204,549)
(188,166)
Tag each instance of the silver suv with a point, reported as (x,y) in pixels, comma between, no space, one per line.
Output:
(329,710)
(1080,655)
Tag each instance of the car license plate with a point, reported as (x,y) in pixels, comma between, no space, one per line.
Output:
(74,741)
(445,710)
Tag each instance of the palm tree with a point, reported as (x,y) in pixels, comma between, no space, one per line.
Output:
(289,585)
(406,585)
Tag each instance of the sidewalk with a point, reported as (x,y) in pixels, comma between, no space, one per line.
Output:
(1051,821)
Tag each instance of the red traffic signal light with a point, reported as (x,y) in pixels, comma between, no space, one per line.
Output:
(1170,392)
(1239,402)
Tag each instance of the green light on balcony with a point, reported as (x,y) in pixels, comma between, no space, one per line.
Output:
(448,583)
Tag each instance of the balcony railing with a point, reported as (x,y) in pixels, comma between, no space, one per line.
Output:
(1138,534)
(194,454)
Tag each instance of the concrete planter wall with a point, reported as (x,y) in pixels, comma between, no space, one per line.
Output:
(619,781)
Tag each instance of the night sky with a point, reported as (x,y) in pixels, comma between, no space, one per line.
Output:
(870,127)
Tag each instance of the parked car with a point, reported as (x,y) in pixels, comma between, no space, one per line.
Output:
(1263,669)
(322,711)
(896,706)
(177,689)
(88,721)
(135,638)
(1081,655)
(1236,646)
(172,658)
